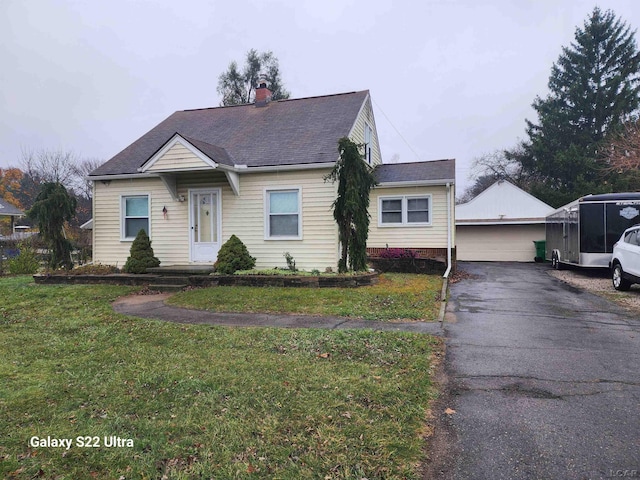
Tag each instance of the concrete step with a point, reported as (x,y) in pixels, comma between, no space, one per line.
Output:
(182,270)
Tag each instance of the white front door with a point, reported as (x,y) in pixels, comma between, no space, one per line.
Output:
(204,219)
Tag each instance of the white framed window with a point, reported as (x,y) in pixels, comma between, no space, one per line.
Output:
(368,134)
(134,216)
(391,210)
(404,210)
(283,214)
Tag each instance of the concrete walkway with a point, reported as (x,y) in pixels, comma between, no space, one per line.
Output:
(154,306)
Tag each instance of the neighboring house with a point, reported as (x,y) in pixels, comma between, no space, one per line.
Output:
(500,224)
(8,210)
(257,171)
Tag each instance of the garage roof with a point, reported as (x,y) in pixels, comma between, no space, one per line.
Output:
(502,203)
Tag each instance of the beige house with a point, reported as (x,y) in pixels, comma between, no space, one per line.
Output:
(500,224)
(257,171)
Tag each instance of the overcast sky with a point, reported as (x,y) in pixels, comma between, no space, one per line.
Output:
(448,78)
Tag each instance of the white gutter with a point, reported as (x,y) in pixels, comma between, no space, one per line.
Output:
(415,183)
(123,176)
(448,270)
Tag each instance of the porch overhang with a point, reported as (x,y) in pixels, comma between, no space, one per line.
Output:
(183,155)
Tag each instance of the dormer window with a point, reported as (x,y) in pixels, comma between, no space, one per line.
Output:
(368,133)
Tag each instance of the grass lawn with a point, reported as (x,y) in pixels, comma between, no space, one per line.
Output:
(396,296)
(201,401)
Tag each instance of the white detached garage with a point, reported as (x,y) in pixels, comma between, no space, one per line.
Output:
(500,225)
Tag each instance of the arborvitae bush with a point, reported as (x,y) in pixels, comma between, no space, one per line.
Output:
(26,262)
(233,256)
(141,255)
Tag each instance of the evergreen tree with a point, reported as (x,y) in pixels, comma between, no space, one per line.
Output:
(350,209)
(53,207)
(233,256)
(594,87)
(238,87)
(141,255)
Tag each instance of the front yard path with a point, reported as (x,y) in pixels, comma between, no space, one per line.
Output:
(154,306)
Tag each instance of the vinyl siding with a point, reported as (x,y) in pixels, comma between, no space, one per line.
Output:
(357,133)
(178,157)
(242,215)
(432,236)
(165,234)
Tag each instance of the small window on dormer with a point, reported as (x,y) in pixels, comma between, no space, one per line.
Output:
(367,143)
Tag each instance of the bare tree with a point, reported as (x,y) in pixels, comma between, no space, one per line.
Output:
(500,165)
(82,185)
(622,154)
(51,166)
(491,167)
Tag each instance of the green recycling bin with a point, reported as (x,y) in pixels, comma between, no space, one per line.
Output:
(541,247)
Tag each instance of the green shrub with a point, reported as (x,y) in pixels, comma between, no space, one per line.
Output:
(141,255)
(233,256)
(26,263)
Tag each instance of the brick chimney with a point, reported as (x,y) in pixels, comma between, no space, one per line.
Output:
(263,94)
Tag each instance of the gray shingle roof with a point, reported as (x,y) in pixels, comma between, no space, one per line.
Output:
(430,171)
(9,210)
(285,132)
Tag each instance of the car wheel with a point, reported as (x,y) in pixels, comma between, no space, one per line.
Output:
(619,282)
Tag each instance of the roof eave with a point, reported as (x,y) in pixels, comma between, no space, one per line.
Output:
(418,183)
(281,168)
(241,169)
(513,221)
(122,176)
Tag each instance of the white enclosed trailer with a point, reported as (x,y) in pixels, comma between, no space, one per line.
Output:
(582,233)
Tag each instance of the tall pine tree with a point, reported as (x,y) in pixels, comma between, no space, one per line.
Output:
(594,87)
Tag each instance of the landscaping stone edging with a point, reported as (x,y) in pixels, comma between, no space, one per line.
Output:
(109,279)
(346,281)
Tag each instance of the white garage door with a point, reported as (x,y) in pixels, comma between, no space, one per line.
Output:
(497,243)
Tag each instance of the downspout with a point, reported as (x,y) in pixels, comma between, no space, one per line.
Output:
(448,270)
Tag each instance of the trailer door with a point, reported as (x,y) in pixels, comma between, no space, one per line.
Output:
(572,236)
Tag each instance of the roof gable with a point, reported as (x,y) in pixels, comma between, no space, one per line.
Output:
(283,133)
(178,154)
(503,201)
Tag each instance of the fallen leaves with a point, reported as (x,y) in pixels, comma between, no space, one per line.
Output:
(449,411)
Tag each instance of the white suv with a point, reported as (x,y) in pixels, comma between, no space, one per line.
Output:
(625,262)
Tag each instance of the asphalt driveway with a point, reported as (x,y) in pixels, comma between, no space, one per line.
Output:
(544,379)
